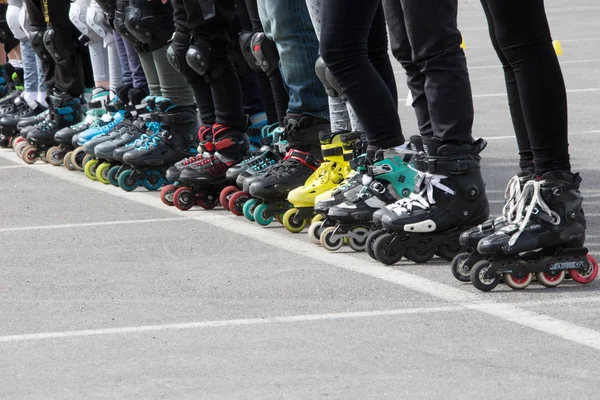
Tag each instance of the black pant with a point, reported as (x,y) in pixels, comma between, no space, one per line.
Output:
(67,74)
(354,47)
(535,85)
(210,31)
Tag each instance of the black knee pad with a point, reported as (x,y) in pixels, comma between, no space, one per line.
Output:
(176,54)
(245,40)
(119,24)
(265,52)
(36,39)
(332,88)
(56,42)
(207,60)
(139,23)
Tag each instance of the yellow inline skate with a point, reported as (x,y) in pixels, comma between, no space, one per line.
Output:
(337,149)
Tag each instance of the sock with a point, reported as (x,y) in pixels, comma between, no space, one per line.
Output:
(41,98)
(30,97)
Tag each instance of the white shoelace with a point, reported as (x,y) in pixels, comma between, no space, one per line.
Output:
(524,210)
(510,210)
(424,199)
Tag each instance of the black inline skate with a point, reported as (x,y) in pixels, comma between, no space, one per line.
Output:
(546,240)
(461,264)
(176,139)
(202,181)
(65,110)
(448,199)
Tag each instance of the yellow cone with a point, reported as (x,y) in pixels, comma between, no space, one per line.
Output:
(557,47)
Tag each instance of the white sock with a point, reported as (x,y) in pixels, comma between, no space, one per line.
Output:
(30,97)
(41,98)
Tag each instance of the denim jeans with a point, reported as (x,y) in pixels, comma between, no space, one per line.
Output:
(288,24)
(130,62)
(33,73)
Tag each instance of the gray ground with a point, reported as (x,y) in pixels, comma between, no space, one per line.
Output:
(106,294)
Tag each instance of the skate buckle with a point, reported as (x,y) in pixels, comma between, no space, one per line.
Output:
(377,187)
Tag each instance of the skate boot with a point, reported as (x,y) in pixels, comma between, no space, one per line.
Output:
(461,264)
(448,199)
(330,174)
(546,239)
(65,110)
(257,151)
(8,123)
(203,180)
(173,173)
(176,139)
(300,162)
(388,178)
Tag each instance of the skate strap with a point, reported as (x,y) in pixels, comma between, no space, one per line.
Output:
(115,106)
(304,158)
(223,144)
(456,166)
(332,152)
(537,208)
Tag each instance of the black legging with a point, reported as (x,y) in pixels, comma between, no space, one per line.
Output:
(535,85)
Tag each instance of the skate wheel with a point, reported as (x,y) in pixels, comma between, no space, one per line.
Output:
(385,252)
(86,159)
(16,142)
(226,194)
(167,193)
(293,224)
(153,180)
(519,280)
(20,147)
(551,279)
(260,215)
(358,240)
(208,203)
(67,161)
(102,173)
(330,241)
(449,251)
(460,269)
(126,182)
(248,209)
(371,241)
(55,156)
(586,274)
(314,232)
(237,201)
(77,158)
(43,157)
(184,199)
(419,255)
(29,154)
(113,175)
(317,218)
(482,277)
(90,169)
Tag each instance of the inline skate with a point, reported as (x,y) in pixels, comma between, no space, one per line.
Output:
(461,264)
(448,199)
(9,121)
(300,162)
(546,240)
(176,139)
(203,180)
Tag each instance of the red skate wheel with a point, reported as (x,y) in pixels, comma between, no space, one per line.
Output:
(167,193)
(184,199)
(587,274)
(237,201)
(518,281)
(207,204)
(226,195)
(550,279)
(30,155)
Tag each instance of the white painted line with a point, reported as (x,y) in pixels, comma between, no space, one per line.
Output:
(570,62)
(298,244)
(513,136)
(225,323)
(90,224)
(13,166)
(481,96)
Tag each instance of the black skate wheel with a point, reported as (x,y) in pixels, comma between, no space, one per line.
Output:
(460,270)
(419,255)
(373,236)
(449,251)
(208,201)
(384,252)
(482,278)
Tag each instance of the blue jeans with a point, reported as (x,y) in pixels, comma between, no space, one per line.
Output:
(33,73)
(288,24)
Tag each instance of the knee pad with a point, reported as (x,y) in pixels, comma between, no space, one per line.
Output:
(119,25)
(332,88)
(12,18)
(265,52)
(139,23)
(77,14)
(245,40)
(56,43)
(94,19)
(6,34)
(208,63)
(36,39)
